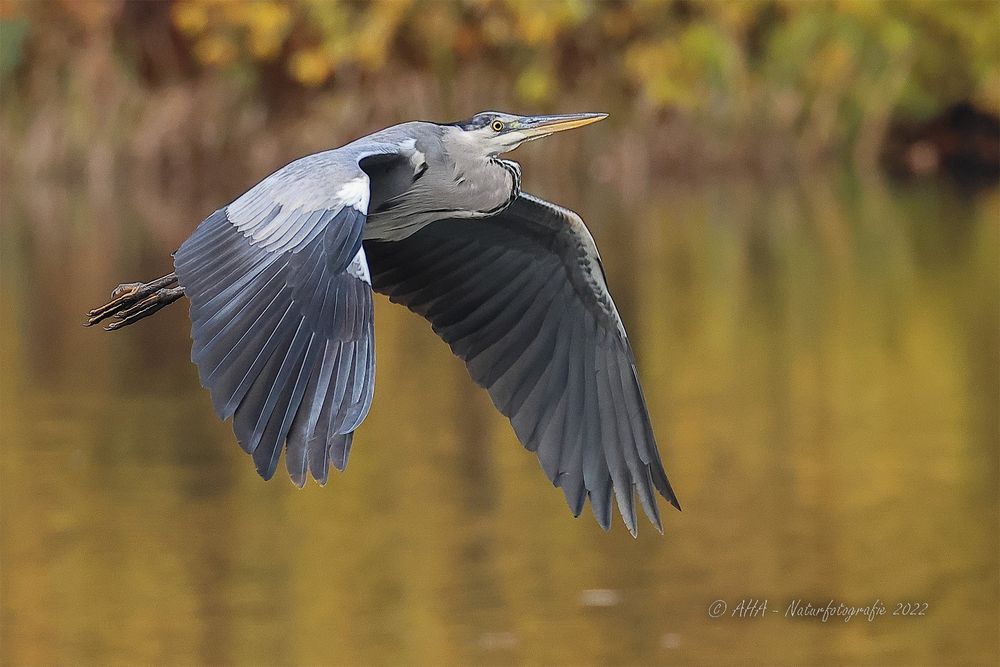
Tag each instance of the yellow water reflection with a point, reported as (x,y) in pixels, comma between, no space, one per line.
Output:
(821,364)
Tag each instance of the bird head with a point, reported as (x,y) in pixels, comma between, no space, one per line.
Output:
(495,132)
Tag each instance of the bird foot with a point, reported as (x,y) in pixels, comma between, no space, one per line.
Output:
(131,302)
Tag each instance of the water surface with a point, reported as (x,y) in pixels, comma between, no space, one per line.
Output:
(820,360)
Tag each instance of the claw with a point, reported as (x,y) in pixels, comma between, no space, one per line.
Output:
(146,307)
(133,301)
(120,298)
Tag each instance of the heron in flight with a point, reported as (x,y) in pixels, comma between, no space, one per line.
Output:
(280,283)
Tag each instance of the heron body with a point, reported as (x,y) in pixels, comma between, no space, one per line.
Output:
(281,281)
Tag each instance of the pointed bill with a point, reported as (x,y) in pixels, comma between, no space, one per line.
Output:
(545,125)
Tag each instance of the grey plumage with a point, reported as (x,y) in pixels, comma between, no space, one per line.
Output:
(281,280)
(509,296)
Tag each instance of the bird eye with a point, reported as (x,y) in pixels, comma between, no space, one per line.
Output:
(497,125)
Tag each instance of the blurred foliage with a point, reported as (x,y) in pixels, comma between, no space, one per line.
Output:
(699,56)
(835,75)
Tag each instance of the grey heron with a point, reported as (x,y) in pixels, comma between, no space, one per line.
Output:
(280,285)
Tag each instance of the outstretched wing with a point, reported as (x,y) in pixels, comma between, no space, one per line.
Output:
(281,314)
(521,298)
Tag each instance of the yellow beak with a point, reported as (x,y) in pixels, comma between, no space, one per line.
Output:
(535,126)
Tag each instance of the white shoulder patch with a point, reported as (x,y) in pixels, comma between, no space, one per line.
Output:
(355,193)
(359,267)
(417,158)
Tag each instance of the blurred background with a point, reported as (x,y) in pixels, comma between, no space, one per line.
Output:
(797,204)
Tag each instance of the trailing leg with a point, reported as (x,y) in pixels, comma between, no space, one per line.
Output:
(132,302)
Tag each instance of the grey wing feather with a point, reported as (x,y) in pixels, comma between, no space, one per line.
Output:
(281,312)
(521,298)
